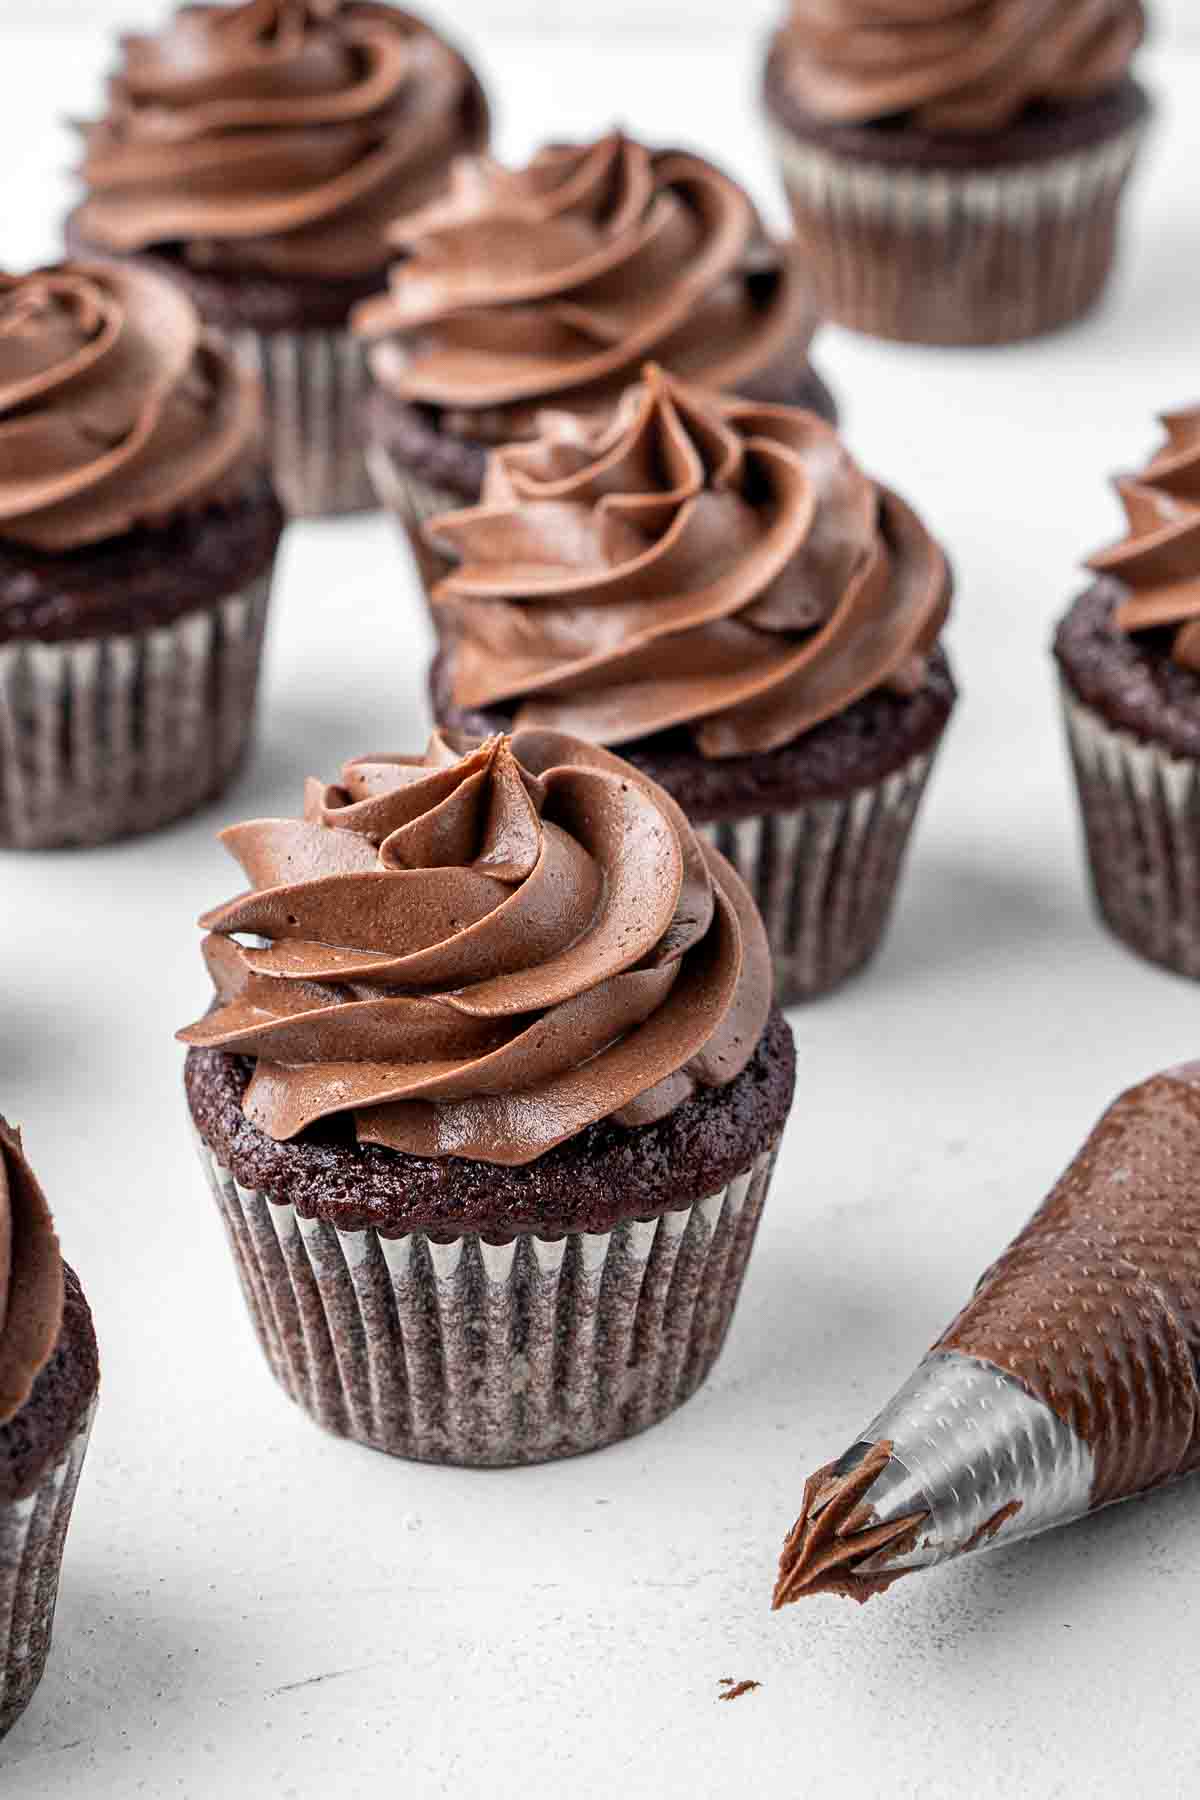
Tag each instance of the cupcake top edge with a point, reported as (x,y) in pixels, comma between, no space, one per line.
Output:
(277,136)
(953,66)
(1157,562)
(481,951)
(552,283)
(31,1277)
(693,561)
(117,409)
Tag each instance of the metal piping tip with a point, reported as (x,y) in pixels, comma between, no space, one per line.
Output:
(848,1529)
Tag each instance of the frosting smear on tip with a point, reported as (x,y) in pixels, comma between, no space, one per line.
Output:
(838,1532)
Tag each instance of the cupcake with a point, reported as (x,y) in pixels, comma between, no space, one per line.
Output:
(714,587)
(491,1106)
(49,1380)
(1129,657)
(955,167)
(256,153)
(138,529)
(550,286)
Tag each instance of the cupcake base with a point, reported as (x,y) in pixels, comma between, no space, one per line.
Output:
(818,831)
(959,241)
(1132,719)
(519,1314)
(41,1455)
(127,700)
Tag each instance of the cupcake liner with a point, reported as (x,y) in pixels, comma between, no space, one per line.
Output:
(488,1355)
(940,256)
(103,737)
(413,500)
(825,875)
(1141,822)
(314,384)
(32,1534)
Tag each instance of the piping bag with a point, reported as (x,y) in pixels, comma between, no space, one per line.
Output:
(1067,1382)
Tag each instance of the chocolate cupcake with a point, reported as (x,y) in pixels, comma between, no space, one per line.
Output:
(549,286)
(138,530)
(1129,656)
(713,586)
(256,153)
(49,1380)
(956,167)
(491,1115)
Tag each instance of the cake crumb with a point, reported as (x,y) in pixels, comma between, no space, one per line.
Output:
(735,1689)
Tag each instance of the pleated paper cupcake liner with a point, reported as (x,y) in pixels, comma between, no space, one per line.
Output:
(413,501)
(1141,823)
(104,737)
(489,1355)
(825,876)
(32,1534)
(314,383)
(940,256)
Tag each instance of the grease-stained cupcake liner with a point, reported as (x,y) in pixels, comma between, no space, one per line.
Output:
(413,501)
(32,1534)
(104,737)
(314,383)
(491,1354)
(825,875)
(943,256)
(1141,822)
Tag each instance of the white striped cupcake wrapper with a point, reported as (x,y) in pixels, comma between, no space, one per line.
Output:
(488,1355)
(314,384)
(941,256)
(1141,824)
(32,1534)
(412,501)
(104,737)
(824,876)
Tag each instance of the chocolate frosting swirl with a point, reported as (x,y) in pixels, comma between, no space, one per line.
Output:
(279,135)
(954,65)
(1158,561)
(697,560)
(31,1277)
(480,952)
(116,409)
(556,281)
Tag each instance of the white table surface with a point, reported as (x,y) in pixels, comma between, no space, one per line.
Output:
(251,1608)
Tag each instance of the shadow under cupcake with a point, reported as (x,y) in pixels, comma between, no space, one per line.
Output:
(713,586)
(491,1114)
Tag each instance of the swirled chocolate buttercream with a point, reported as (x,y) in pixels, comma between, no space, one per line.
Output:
(482,951)
(554,282)
(953,65)
(116,409)
(279,135)
(697,560)
(1157,563)
(31,1277)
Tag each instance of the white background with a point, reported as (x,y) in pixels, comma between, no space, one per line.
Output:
(596,19)
(252,1609)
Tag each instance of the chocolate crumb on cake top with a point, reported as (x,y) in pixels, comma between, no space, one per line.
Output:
(483,952)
